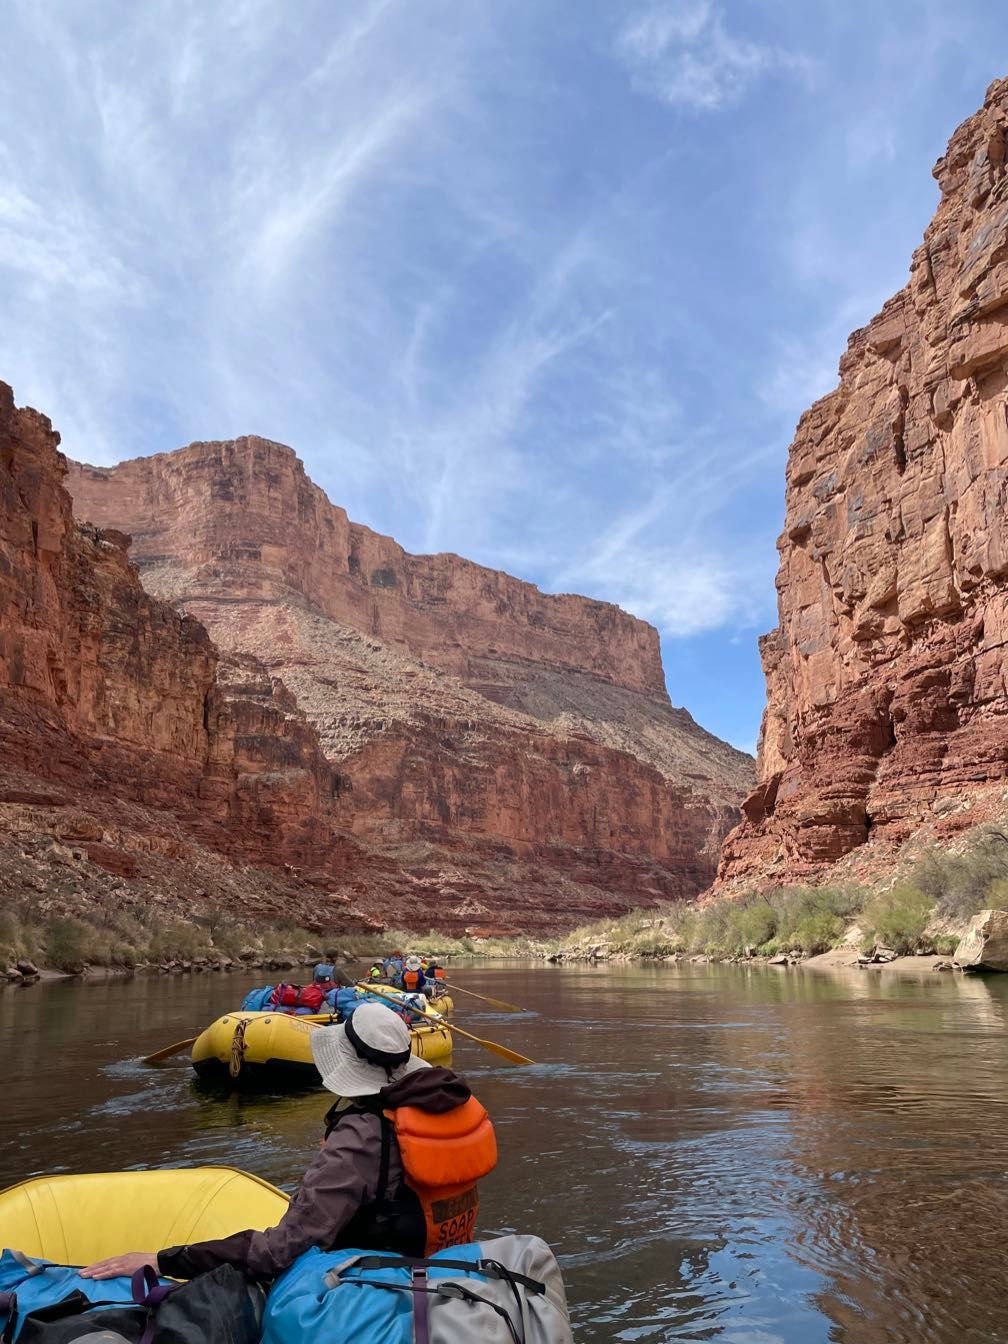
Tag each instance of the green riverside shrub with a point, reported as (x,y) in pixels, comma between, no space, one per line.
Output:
(996,896)
(896,919)
(961,884)
(66,944)
(817,932)
(756,925)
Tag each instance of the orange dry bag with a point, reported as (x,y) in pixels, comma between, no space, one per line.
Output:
(443,1157)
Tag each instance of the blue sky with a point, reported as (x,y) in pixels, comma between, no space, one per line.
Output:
(543,282)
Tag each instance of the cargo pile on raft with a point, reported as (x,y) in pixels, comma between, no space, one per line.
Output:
(267,1040)
(389,1202)
(502,1290)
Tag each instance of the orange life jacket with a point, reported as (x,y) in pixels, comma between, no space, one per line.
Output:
(443,1157)
(440,973)
(411,979)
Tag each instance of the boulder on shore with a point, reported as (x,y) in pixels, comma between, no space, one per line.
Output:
(985,942)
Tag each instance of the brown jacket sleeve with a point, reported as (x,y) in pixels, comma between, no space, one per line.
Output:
(342,1178)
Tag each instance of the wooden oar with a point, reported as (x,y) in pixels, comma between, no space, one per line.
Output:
(497,1003)
(512,1056)
(168,1051)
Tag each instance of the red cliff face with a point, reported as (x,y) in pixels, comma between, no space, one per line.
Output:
(478,728)
(119,725)
(243,518)
(887,676)
(81,643)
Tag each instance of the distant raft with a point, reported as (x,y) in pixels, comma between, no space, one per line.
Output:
(274,1049)
(75,1220)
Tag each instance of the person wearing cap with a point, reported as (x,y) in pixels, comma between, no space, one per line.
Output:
(413,979)
(327,975)
(394,969)
(404,1147)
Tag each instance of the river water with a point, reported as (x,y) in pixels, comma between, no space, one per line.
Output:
(715,1153)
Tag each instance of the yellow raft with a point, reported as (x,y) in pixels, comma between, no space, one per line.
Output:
(275,1048)
(75,1220)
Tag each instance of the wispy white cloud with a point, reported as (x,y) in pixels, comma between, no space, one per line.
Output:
(682,590)
(302,206)
(497,304)
(870,140)
(800,371)
(682,52)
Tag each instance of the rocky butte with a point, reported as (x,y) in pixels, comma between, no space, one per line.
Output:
(887,675)
(514,754)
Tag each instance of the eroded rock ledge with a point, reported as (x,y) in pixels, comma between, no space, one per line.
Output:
(887,675)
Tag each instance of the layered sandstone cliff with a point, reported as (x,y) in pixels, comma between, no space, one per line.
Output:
(243,518)
(887,676)
(475,724)
(120,726)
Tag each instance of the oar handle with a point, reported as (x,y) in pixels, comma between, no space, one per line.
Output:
(511,1055)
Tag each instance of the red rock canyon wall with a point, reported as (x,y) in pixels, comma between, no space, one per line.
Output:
(473,721)
(114,705)
(887,675)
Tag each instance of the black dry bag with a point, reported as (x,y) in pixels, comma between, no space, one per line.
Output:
(221,1307)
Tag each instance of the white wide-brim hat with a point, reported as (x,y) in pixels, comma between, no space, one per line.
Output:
(413,963)
(369,1051)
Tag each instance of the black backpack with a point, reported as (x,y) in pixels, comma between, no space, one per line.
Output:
(220,1307)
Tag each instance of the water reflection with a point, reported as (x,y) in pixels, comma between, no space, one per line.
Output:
(745,1154)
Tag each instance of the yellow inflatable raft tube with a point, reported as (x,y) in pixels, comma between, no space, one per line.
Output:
(75,1220)
(274,1049)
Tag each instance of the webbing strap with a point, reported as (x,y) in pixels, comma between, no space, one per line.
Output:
(386,1155)
(421,1325)
(448,1288)
(32,1266)
(492,1269)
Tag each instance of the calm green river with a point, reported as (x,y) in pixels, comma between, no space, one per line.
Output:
(715,1153)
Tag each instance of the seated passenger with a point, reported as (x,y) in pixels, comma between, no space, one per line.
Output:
(413,979)
(349,1195)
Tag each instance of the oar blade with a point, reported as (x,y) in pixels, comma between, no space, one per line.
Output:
(168,1051)
(512,1056)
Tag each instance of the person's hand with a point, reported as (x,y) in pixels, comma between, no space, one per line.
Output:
(117,1265)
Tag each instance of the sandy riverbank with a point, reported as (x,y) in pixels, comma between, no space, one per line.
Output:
(846,958)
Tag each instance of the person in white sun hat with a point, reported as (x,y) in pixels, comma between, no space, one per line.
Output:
(413,979)
(369,1052)
(404,1146)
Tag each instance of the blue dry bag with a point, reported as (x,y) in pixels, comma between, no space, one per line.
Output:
(257,1000)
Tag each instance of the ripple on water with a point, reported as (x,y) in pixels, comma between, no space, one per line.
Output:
(715,1154)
